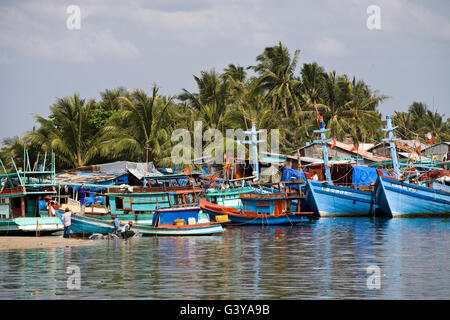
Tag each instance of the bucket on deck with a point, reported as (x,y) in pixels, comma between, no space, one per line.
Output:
(222,218)
(179,222)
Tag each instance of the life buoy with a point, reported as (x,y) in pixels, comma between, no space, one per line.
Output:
(435,159)
(414,158)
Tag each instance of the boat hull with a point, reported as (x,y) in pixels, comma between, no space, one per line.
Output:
(399,199)
(30,226)
(335,201)
(84,226)
(185,230)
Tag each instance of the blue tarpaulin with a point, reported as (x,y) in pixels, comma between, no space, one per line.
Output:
(123,179)
(89,200)
(292,175)
(364,176)
(42,204)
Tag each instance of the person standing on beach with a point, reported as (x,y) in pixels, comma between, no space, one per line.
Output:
(67,220)
(116,223)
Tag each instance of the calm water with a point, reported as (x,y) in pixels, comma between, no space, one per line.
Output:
(325,259)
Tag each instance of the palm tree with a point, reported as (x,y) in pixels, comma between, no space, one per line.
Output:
(236,77)
(418,110)
(434,123)
(406,126)
(14,148)
(67,131)
(276,77)
(312,76)
(332,100)
(361,112)
(140,131)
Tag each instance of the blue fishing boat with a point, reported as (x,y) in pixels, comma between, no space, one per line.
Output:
(261,209)
(327,199)
(396,198)
(399,199)
(166,222)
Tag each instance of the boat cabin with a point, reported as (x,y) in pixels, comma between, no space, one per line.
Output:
(227,192)
(167,191)
(269,204)
(347,175)
(23,192)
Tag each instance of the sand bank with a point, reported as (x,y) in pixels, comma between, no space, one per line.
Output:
(40,242)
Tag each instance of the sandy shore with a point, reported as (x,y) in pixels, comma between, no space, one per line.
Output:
(40,242)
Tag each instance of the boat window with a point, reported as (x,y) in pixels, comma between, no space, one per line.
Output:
(119,203)
(15,203)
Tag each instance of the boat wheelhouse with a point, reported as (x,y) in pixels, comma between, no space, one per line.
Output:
(22,194)
(227,193)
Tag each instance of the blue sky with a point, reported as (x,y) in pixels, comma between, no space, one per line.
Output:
(137,43)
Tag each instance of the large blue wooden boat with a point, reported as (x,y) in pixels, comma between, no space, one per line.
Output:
(399,199)
(327,199)
(396,198)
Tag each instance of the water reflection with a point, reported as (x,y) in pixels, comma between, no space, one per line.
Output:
(325,259)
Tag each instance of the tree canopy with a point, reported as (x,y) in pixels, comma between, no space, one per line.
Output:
(137,125)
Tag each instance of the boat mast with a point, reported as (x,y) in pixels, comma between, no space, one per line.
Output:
(324,142)
(254,142)
(392,140)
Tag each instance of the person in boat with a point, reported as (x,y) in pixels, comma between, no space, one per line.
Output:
(51,209)
(117,229)
(126,230)
(67,220)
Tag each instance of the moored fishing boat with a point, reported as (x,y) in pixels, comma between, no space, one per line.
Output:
(397,198)
(139,204)
(261,209)
(167,222)
(21,194)
(327,199)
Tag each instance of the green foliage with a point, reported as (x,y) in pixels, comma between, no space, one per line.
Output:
(136,126)
(419,121)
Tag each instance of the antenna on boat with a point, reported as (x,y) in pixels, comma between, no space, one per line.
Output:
(391,141)
(324,142)
(254,142)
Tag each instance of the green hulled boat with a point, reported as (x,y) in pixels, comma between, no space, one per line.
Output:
(21,194)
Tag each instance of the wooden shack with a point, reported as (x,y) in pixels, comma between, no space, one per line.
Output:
(441,150)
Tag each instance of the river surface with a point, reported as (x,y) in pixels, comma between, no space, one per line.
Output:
(343,258)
